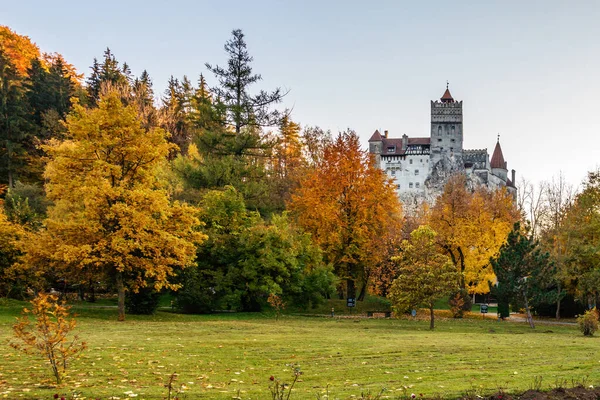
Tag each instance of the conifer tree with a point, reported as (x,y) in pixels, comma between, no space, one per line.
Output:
(13,122)
(235,80)
(522,270)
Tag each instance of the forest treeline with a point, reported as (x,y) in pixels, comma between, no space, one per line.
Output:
(214,192)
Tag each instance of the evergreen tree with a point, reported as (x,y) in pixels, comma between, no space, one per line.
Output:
(243,108)
(108,76)
(143,100)
(173,116)
(522,271)
(13,122)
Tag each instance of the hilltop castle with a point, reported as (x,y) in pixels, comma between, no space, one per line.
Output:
(421,166)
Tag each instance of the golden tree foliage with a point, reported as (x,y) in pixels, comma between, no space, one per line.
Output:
(10,234)
(20,49)
(49,337)
(471,227)
(350,208)
(110,217)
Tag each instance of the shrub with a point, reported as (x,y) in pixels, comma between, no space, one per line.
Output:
(456,303)
(588,322)
(144,302)
(48,337)
(194,297)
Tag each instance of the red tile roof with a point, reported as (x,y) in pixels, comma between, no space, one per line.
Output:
(447,97)
(397,144)
(497,157)
(376,137)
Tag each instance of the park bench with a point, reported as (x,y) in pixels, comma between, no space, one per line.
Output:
(379,314)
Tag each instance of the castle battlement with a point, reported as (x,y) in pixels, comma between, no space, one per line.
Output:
(421,166)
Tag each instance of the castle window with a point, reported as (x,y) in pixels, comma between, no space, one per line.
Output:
(417,185)
(416,172)
(410,162)
(452,140)
(410,185)
(451,148)
(398,186)
(391,149)
(453,129)
(440,139)
(393,172)
(439,130)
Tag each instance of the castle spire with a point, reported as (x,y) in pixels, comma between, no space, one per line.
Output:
(498,157)
(447,97)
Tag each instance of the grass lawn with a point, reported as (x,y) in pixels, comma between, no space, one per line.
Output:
(219,356)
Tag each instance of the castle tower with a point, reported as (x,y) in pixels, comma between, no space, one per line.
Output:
(498,165)
(376,147)
(446,128)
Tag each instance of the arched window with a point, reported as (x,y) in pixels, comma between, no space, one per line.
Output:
(439,130)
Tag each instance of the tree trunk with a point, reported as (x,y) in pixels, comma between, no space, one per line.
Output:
(350,289)
(431,316)
(121,296)
(527,310)
(363,292)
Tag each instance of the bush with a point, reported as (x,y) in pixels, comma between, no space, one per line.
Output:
(144,302)
(459,302)
(503,308)
(194,297)
(456,302)
(588,322)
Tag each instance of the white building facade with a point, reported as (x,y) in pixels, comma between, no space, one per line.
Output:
(420,167)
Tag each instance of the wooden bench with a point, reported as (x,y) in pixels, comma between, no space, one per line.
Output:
(379,314)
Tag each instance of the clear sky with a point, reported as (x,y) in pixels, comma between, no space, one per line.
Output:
(529,70)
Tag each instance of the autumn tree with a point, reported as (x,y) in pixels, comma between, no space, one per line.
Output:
(10,234)
(558,198)
(110,218)
(471,227)
(49,335)
(580,235)
(523,270)
(425,274)
(349,207)
(18,48)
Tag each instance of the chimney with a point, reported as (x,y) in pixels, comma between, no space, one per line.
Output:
(385,133)
(513,177)
(404,142)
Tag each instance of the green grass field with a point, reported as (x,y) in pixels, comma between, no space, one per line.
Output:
(219,356)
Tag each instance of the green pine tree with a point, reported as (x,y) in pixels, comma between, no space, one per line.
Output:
(523,271)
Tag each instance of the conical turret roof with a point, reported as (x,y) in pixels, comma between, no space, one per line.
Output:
(498,157)
(447,97)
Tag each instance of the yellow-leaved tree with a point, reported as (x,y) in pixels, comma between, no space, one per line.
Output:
(471,227)
(110,217)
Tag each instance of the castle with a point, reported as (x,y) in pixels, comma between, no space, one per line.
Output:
(420,166)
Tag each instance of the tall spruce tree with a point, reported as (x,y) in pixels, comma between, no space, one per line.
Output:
(522,271)
(243,108)
(13,122)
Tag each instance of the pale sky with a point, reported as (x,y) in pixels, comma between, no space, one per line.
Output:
(528,70)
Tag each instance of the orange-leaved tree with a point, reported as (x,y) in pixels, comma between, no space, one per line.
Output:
(471,227)
(350,208)
(49,336)
(110,216)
